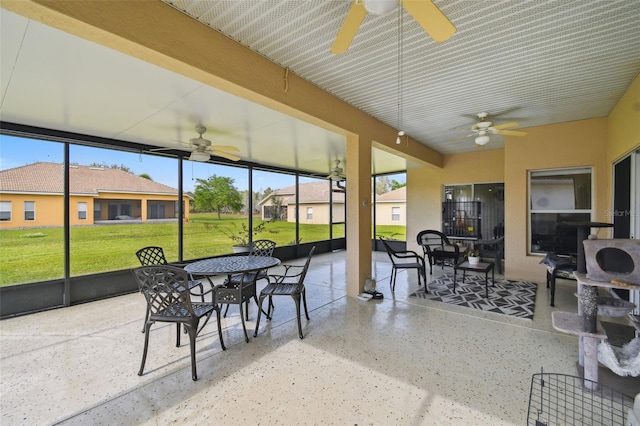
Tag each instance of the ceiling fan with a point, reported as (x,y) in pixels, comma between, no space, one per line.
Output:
(483,129)
(337,173)
(427,14)
(202,149)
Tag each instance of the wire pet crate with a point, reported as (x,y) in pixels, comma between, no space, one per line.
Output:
(559,399)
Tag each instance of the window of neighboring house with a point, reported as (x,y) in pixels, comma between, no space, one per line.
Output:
(395,214)
(5,211)
(29,210)
(82,211)
(309,213)
(557,198)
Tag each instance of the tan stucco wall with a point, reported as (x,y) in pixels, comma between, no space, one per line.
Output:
(384,213)
(624,124)
(424,186)
(574,144)
(320,213)
(50,209)
(579,143)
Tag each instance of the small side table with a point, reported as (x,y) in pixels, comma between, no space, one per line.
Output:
(479,267)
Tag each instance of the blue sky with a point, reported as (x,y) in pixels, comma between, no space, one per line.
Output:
(15,152)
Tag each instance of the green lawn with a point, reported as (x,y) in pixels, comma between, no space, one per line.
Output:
(30,255)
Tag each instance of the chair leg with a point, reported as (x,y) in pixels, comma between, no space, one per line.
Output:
(203,324)
(191,329)
(220,330)
(304,302)
(146,346)
(422,275)
(244,325)
(146,319)
(296,298)
(255,333)
(552,282)
(392,281)
(255,298)
(201,287)
(225,310)
(271,306)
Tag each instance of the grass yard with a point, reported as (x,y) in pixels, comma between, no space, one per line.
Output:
(37,254)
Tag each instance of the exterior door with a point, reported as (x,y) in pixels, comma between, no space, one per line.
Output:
(626,208)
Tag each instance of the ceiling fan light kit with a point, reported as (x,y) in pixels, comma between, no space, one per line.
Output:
(400,134)
(199,156)
(482,140)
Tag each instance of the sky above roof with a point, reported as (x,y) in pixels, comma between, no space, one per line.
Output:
(15,152)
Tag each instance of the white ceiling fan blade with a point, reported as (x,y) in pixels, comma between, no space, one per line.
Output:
(349,28)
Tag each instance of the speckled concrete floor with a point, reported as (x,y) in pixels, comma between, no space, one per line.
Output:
(397,361)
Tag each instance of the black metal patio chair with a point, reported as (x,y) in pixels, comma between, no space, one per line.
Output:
(249,280)
(153,256)
(166,291)
(290,283)
(406,259)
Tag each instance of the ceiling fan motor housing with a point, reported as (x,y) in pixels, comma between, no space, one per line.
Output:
(380,7)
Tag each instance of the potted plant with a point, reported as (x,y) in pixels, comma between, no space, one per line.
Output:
(240,237)
(473,256)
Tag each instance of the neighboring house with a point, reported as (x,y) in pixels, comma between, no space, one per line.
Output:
(391,207)
(313,200)
(32,196)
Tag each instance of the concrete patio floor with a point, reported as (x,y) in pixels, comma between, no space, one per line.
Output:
(399,360)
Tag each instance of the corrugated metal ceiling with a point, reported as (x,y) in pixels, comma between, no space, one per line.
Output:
(537,62)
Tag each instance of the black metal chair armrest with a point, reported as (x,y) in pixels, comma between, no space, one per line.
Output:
(408,254)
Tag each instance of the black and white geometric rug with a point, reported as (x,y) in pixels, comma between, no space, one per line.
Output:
(513,298)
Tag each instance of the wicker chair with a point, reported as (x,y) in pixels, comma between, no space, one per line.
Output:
(492,249)
(169,300)
(154,256)
(437,250)
(291,283)
(249,280)
(407,259)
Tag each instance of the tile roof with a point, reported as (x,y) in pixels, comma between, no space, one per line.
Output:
(399,194)
(310,192)
(48,178)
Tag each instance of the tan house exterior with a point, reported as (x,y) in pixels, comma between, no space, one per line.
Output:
(32,196)
(391,207)
(313,200)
